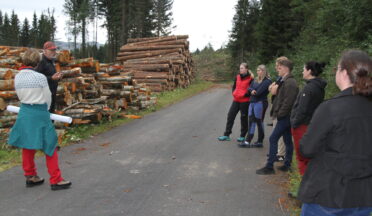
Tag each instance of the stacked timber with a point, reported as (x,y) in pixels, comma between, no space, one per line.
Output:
(162,63)
(122,91)
(88,92)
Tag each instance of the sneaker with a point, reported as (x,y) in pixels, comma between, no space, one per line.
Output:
(284,168)
(244,144)
(265,171)
(270,124)
(61,185)
(240,139)
(280,158)
(33,181)
(257,145)
(224,138)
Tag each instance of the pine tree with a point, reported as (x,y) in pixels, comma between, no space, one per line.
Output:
(1,27)
(6,30)
(25,34)
(163,17)
(243,40)
(276,28)
(34,32)
(13,34)
(71,8)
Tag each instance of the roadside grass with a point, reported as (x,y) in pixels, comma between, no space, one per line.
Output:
(10,157)
(294,185)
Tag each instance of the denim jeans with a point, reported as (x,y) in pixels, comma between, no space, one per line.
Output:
(282,128)
(318,210)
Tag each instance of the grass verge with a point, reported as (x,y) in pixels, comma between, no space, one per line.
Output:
(12,157)
(294,185)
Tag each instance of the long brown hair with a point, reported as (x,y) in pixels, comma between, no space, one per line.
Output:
(358,66)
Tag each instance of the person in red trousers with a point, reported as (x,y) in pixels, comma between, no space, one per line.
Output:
(305,105)
(33,129)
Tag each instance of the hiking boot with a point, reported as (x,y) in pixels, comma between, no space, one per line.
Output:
(224,138)
(33,181)
(244,144)
(61,185)
(257,145)
(265,171)
(284,168)
(240,139)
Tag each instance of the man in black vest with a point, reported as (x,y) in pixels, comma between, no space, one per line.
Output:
(46,67)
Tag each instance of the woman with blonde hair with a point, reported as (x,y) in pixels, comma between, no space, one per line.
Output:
(257,107)
(33,129)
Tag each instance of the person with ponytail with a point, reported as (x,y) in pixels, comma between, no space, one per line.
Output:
(305,105)
(257,108)
(338,142)
(240,103)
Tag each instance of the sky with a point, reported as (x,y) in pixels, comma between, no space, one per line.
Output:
(205,21)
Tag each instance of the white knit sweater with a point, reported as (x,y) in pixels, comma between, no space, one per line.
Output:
(32,87)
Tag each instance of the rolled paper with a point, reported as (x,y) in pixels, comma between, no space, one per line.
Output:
(55,117)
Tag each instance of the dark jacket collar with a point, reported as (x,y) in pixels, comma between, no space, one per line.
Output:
(346,92)
(287,77)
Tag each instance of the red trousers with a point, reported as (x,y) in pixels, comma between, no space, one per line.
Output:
(297,134)
(28,164)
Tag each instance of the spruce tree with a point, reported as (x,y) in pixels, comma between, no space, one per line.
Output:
(13,34)
(243,41)
(6,30)
(163,17)
(25,34)
(1,27)
(34,33)
(275,28)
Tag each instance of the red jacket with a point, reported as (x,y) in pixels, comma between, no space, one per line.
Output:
(241,88)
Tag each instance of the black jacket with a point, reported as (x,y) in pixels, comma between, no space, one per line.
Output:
(338,142)
(285,98)
(307,101)
(47,68)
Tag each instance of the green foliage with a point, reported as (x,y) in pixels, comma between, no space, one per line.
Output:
(12,33)
(243,39)
(213,65)
(163,17)
(25,34)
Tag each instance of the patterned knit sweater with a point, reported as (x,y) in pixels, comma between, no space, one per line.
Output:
(32,87)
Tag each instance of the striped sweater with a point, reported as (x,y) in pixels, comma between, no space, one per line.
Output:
(32,87)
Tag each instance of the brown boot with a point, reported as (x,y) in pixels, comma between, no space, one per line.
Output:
(61,185)
(33,181)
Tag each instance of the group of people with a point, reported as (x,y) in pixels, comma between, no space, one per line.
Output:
(332,139)
(36,87)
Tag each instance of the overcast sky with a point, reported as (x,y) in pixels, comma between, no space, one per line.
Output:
(205,21)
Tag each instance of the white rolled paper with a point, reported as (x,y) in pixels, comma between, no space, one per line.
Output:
(54,117)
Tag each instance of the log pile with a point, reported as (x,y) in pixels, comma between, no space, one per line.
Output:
(162,63)
(88,91)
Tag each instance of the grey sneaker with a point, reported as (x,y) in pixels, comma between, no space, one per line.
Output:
(61,185)
(33,181)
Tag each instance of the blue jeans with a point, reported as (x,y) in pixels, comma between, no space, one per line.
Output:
(282,128)
(318,210)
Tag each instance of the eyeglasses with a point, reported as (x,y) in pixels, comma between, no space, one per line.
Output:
(335,69)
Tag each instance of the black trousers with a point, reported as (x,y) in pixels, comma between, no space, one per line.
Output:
(53,103)
(234,109)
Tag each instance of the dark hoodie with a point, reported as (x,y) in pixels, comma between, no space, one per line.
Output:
(307,101)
